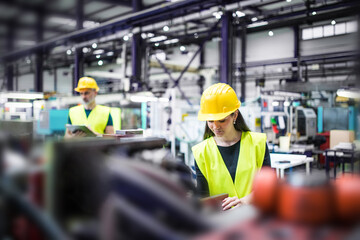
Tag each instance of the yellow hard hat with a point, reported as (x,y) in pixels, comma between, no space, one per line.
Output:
(87,82)
(217,102)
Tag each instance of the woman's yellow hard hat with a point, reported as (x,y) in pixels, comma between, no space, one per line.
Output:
(217,102)
(87,82)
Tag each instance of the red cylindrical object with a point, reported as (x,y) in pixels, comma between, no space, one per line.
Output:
(264,190)
(305,204)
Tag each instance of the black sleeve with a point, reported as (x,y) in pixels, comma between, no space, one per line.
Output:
(267,161)
(202,187)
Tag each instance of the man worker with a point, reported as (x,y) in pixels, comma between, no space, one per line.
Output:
(96,117)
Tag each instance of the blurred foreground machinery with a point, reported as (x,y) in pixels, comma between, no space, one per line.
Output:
(133,189)
(301,207)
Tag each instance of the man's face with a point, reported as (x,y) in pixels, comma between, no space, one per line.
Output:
(88,95)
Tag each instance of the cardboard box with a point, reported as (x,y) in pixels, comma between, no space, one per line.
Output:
(337,136)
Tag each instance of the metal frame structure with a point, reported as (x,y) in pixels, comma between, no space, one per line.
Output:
(189,10)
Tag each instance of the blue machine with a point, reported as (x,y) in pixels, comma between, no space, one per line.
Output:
(336,118)
(52,121)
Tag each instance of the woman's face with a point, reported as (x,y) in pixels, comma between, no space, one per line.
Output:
(224,126)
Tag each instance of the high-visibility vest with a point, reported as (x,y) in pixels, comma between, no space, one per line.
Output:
(212,166)
(97,119)
(116,117)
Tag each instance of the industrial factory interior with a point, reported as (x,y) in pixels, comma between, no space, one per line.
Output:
(180,119)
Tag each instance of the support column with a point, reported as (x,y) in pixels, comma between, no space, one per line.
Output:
(297,75)
(39,61)
(78,55)
(226,48)
(9,68)
(136,53)
(243,63)
(55,79)
(10,77)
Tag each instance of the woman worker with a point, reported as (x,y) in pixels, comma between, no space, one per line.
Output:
(230,155)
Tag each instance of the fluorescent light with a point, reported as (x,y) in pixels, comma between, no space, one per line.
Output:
(258,24)
(22,95)
(240,14)
(349,93)
(158,38)
(147,99)
(98,51)
(18,104)
(175,40)
(71,22)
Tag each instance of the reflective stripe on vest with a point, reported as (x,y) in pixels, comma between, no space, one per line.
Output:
(97,119)
(212,166)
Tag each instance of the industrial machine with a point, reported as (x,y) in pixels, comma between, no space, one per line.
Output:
(305,123)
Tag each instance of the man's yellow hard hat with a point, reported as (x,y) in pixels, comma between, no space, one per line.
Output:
(87,82)
(217,102)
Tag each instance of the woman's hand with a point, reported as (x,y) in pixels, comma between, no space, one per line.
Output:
(230,202)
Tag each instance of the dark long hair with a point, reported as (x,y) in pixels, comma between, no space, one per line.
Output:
(239,125)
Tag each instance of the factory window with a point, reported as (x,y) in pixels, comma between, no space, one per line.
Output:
(329,30)
(351,27)
(318,32)
(307,33)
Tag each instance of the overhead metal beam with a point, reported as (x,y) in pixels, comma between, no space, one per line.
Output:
(124,3)
(164,11)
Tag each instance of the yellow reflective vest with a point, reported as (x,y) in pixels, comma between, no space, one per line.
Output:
(212,166)
(97,119)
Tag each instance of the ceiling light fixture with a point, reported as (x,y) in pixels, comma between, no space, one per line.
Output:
(94,45)
(68,52)
(100,62)
(240,14)
(254,19)
(126,38)
(182,48)
(314,13)
(98,56)
(271,33)
(333,22)
(258,24)
(166,28)
(156,44)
